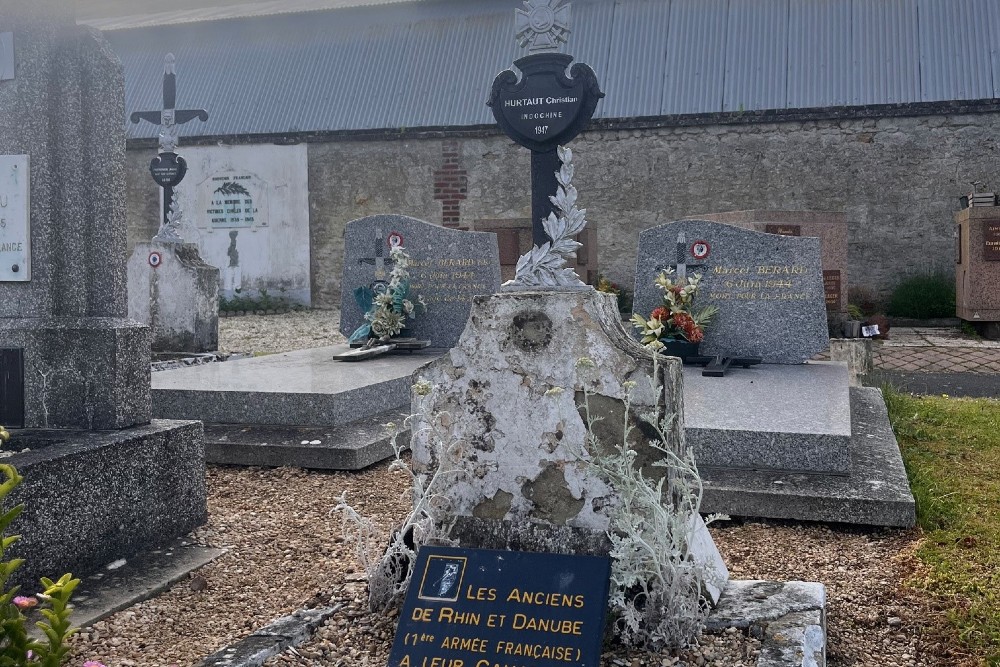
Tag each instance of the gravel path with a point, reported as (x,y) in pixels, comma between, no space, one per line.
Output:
(285,552)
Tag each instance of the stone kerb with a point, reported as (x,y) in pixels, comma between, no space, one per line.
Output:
(449,267)
(768,288)
(521,483)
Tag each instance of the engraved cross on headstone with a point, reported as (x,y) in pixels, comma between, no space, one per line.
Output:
(169,119)
(382,263)
(681,263)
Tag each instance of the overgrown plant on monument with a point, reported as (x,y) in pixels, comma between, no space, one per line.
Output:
(657,588)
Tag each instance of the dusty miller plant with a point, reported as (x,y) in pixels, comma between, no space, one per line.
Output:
(656,594)
(390,567)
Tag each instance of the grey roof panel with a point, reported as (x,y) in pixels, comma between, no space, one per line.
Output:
(819,54)
(637,60)
(430,63)
(696,57)
(756,55)
(955,49)
(886,67)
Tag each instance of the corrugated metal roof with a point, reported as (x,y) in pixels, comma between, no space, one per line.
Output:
(431,63)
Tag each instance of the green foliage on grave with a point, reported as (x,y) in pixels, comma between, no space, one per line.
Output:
(17,648)
(924,297)
(951,448)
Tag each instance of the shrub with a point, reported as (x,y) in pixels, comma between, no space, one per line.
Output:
(864,301)
(923,297)
(17,648)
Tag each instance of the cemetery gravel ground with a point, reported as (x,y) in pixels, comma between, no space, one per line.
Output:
(285,552)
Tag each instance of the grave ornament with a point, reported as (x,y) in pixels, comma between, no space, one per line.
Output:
(168,168)
(544,104)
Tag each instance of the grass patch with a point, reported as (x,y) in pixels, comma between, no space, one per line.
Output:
(951,448)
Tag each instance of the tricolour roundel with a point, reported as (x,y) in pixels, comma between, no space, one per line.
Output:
(395,240)
(700,249)
(155,259)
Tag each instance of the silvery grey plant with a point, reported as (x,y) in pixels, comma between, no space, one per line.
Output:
(389,568)
(657,585)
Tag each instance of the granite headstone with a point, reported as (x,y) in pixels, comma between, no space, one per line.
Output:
(448,268)
(768,288)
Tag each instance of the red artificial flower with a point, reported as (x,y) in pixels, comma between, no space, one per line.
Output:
(660,313)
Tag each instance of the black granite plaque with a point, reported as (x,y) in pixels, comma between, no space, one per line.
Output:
(991,241)
(168,169)
(481,608)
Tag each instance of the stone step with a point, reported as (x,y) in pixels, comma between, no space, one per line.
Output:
(300,388)
(351,446)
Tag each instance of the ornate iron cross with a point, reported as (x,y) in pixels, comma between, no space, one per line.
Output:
(169,118)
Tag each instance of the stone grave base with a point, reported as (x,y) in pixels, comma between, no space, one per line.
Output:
(94,497)
(779,417)
(82,372)
(876,492)
(260,411)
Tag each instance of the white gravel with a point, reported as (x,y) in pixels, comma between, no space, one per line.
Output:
(286,552)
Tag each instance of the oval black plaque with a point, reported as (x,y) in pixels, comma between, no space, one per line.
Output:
(168,169)
(545,108)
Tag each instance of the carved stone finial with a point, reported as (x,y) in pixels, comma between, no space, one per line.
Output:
(544,26)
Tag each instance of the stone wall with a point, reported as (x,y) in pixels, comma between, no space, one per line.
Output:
(897,178)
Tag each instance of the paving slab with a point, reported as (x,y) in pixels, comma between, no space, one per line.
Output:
(300,388)
(773,416)
(876,492)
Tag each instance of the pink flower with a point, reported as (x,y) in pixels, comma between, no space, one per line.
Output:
(93,663)
(22,602)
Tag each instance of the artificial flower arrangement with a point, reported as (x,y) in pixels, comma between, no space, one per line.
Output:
(387,312)
(676,319)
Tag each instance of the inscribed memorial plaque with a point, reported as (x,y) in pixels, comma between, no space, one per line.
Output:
(448,267)
(991,241)
(481,608)
(769,288)
(784,230)
(831,286)
(15,227)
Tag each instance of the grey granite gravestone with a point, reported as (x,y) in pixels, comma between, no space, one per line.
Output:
(101,481)
(448,268)
(768,288)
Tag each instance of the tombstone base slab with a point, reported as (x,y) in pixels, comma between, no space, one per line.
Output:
(300,388)
(877,492)
(353,446)
(775,417)
(93,497)
(82,373)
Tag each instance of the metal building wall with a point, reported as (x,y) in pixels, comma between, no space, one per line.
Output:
(431,63)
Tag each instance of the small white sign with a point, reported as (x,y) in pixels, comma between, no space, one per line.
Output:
(15,226)
(870,331)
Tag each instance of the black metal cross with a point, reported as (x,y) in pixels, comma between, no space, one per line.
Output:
(168,119)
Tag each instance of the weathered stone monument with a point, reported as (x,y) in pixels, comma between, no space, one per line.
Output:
(101,481)
(448,268)
(170,287)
